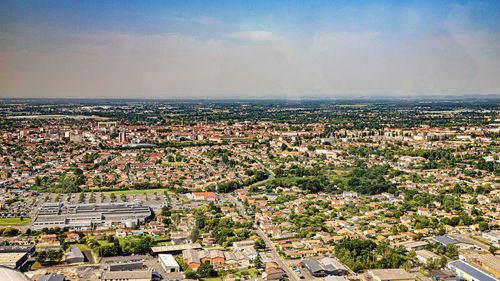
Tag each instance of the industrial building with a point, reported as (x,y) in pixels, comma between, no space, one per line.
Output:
(13,260)
(168,263)
(397,274)
(465,271)
(90,216)
(127,266)
(493,236)
(127,276)
(75,255)
(174,249)
(457,241)
(324,267)
(489,262)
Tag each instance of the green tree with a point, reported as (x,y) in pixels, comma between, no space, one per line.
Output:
(206,270)
(257,262)
(259,244)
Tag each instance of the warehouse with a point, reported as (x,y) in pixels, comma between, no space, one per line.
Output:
(13,260)
(90,216)
(324,267)
(75,255)
(168,263)
(174,249)
(468,272)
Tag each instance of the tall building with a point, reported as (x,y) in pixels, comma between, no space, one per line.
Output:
(122,137)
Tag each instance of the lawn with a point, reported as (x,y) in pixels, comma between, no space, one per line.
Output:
(248,272)
(14,221)
(137,191)
(173,163)
(211,279)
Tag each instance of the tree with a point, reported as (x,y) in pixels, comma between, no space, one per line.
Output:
(451,251)
(259,244)
(493,249)
(195,234)
(442,262)
(257,262)
(49,257)
(206,270)
(483,226)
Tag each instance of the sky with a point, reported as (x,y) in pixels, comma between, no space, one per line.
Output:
(248,49)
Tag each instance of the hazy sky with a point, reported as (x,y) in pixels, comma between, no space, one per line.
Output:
(261,49)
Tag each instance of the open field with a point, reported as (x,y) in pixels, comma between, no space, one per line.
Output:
(14,221)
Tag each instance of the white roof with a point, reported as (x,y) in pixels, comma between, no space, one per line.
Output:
(8,274)
(168,260)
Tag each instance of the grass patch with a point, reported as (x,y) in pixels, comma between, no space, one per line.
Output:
(248,272)
(211,279)
(484,241)
(14,221)
(82,247)
(173,163)
(36,265)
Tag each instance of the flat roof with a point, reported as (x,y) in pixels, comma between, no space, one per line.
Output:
(173,248)
(127,275)
(392,274)
(472,271)
(313,265)
(6,258)
(168,260)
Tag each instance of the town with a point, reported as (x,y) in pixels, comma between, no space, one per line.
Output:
(250,190)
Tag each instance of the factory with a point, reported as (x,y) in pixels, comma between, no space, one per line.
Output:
(91,216)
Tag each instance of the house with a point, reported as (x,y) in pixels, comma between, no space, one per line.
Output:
(273,272)
(48,238)
(204,196)
(72,237)
(240,245)
(121,233)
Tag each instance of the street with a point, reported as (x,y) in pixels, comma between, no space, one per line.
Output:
(269,244)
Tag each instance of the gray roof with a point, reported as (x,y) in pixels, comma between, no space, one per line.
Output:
(127,275)
(75,253)
(171,248)
(313,265)
(446,240)
(52,277)
(472,271)
(332,264)
(392,274)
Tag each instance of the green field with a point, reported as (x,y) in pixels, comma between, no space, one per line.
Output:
(14,221)
(136,191)
(173,163)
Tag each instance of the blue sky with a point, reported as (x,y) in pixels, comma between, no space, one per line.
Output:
(248,48)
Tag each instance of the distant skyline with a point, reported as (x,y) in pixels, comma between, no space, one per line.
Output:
(248,49)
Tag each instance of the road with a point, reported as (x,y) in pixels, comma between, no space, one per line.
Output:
(269,244)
